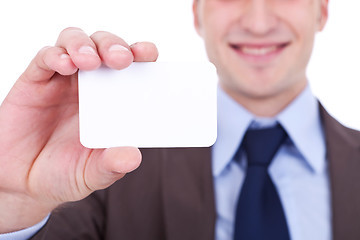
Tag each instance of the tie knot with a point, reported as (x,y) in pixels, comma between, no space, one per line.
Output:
(261,145)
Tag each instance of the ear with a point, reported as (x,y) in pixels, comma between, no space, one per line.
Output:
(197,23)
(324,14)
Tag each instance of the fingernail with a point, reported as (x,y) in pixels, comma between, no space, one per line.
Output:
(64,56)
(87,50)
(118,47)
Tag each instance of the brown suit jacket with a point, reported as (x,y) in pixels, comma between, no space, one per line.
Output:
(171,196)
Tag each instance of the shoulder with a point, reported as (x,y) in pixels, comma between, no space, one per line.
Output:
(335,131)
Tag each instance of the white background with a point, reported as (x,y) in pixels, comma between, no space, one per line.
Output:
(27,26)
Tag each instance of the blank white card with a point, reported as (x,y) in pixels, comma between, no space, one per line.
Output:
(162,104)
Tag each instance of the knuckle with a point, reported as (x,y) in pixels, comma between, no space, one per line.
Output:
(43,51)
(106,37)
(69,32)
(99,33)
(70,29)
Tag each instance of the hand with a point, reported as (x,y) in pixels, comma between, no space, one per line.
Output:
(42,163)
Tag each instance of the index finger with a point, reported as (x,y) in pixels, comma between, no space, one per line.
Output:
(80,47)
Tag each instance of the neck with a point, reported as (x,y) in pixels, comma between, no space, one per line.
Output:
(269,105)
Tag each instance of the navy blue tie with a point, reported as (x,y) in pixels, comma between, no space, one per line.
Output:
(259,213)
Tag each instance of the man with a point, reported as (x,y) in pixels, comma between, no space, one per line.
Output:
(261,49)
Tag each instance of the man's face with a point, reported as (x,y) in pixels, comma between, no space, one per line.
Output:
(260,47)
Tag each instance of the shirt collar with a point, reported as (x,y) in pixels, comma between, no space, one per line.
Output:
(302,122)
(233,121)
(300,119)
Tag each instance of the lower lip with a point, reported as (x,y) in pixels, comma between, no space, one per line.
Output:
(260,59)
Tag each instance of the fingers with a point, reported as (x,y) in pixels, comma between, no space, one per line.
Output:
(81,49)
(114,51)
(104,167)
(75,50)
(87,53)
(144,52)
(48,61)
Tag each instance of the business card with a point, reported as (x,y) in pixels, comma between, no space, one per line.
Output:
(148,105)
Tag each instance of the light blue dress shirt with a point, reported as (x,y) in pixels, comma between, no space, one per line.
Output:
(25,233)
(299,170)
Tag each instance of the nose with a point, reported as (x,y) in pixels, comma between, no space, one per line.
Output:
(258,17)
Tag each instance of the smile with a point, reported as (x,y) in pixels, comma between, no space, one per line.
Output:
(258,51)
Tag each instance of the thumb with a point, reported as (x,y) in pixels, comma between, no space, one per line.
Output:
(106,166)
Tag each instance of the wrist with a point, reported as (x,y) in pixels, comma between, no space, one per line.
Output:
(18,212)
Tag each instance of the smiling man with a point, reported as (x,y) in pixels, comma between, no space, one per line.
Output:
(261,48)
(281,167)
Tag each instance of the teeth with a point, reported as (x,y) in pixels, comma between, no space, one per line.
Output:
(258,51)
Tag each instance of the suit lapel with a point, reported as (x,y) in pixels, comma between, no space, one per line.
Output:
(343,153)
(188,194)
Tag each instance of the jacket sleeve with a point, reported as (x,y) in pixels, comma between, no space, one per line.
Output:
(132,208)
(77,220)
